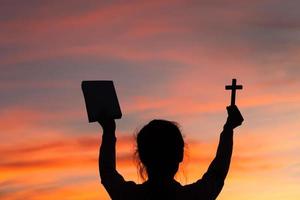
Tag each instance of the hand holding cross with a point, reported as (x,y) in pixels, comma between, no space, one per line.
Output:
(233,89)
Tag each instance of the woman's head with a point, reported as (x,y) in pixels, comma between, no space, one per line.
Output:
(160,149)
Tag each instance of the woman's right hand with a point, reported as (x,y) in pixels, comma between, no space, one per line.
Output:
(234,118)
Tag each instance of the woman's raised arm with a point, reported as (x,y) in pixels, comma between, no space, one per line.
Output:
(213,179)
(110,178)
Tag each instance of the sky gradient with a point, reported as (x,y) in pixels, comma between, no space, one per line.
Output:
(169,60)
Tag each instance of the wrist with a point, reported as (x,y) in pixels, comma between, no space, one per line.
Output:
(227,127)
(108,132)
(109,135)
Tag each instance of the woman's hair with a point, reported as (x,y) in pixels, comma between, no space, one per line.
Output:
(160,148)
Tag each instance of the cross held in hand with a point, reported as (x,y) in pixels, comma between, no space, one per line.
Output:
(233,89)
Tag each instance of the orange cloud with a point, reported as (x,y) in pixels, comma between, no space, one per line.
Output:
(72,157)
(203,44)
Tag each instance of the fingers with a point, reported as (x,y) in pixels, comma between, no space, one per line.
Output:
(233,109)
(107,124)
(235,117)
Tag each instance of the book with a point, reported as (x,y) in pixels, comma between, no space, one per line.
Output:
(101,100)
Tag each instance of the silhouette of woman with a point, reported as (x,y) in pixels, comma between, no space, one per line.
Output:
(160,147)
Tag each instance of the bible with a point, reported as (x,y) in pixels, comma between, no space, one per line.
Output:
(101,100)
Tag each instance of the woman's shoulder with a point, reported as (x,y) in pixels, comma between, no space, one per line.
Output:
(133,190)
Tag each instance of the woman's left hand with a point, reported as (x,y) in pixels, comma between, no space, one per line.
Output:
(108,125)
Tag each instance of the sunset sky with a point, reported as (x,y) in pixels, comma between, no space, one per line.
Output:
(168,59)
